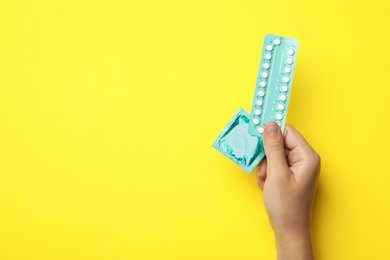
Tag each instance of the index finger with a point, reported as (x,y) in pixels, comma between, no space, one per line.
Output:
(293,139)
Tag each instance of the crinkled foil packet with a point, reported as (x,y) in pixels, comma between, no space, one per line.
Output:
(238,145)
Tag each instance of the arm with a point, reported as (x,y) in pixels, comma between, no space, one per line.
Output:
(288,178)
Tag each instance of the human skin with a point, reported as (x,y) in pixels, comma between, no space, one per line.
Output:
(288,177)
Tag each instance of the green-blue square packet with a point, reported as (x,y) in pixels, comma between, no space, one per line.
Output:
(238,145)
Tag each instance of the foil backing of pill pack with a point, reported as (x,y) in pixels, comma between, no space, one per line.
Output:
(270,103)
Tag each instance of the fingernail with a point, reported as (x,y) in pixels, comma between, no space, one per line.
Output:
(272,129)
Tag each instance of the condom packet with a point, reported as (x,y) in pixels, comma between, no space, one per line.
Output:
(238,145)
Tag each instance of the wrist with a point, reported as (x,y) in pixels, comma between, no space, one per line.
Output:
(294,244)
(293,235)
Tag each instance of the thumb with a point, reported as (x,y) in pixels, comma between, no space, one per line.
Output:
(274,149)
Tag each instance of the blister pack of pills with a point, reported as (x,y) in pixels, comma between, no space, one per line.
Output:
(274,81)
(241,140)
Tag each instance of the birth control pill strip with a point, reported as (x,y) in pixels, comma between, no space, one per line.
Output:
(274,81)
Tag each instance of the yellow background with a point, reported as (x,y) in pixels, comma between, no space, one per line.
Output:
(108,110)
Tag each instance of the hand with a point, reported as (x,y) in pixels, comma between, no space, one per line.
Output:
(288,177)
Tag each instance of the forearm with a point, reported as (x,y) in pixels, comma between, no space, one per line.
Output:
(294,245)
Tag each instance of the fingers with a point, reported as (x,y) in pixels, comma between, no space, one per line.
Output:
(274,149)
(301,155)
(294,139)
(286,156)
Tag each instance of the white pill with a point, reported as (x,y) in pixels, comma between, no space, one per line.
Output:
(287,70)
(283,97)
(284,88)
(259,103)
(286,79)
(281,107)
(268,56)
(279,116)
(277,41)
(264,75)
(290,52)
(261,93)
(269,47)
(289,61)
(263,84)
(257,112)
(260,129)
(256,121)
(266,65)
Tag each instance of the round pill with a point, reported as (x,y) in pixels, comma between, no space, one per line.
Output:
(268,56)
(289,61)
(260,129)
(264,75)
(277,41)
(259,103)
(256,121)
(284,88)
(263,84)
(281,107)
(286,79)
(283,97)
(269,47)
(279,116)
(257,112)
(266,65)
(261,93)
(287,70)
(290,52)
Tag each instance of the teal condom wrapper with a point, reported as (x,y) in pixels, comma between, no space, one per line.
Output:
(274,82)
(238,145)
